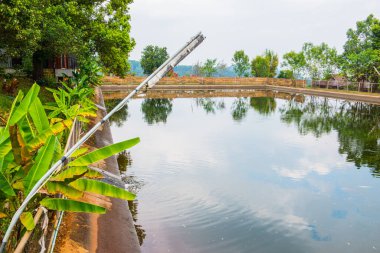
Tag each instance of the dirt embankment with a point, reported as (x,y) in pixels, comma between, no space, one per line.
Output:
(113,232)
(232,90)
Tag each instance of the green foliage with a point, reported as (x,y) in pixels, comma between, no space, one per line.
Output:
(209,68)
(71,206)
(26,219)
(30,143)
(89,75)
(362,51)
(72,102)
(317,62)
(102,188)
(103,153)
(153,57)
(43,29)
(287,74)
(241,63)
(294,63)
(321,61)
(265,65)
(41,165)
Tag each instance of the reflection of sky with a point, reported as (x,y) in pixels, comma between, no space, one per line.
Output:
(216,185)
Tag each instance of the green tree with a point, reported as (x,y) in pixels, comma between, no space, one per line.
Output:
(42,29)
(295,63)
(322,62)
(241,63)
(152,58)
(265,65)
(287,74)
(362,50)
(209,68)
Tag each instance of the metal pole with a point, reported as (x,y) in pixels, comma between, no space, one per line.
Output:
(149,83)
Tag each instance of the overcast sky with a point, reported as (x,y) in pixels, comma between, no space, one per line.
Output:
(251,25)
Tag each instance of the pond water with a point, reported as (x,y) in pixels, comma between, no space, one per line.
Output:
(253,174)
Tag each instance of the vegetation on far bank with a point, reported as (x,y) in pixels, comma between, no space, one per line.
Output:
(358,62)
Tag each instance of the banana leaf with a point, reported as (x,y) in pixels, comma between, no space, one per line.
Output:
(102,188)
(25,104)
(63,188)
(41,165)
(5,143)
(39,117)
(5,186)
(70,173)
(93,174)
(40,139)
(71,206)
(103,153)
(27,220)
(79,152)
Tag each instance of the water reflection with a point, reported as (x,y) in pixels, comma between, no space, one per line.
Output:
(210,105)
(124,160)
(141,234)
(263,105)
(357,125)
(119,117)
(286,182)
(134,185)
(156,110)
(239,109)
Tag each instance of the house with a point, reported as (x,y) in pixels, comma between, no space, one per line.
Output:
(337,81)
(56,67)
(60,66)
(9,64)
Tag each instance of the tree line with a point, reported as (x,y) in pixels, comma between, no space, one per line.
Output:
(359,61)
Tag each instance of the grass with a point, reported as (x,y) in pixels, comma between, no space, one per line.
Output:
(7,99)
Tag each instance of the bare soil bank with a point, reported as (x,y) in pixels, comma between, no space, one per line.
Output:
(112,232)
(173,91)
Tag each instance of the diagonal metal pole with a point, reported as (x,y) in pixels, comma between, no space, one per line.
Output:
(149,83)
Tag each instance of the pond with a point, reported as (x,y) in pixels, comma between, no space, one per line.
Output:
(261,174)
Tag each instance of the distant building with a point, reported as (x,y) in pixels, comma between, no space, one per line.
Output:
(56,67)
(8,63)
(60,66)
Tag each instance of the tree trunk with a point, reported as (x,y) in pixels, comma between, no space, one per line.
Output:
(38,60)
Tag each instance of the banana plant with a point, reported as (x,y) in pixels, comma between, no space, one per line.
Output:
(72,103)
(29,144)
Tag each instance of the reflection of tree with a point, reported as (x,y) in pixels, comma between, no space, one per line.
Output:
(239,109)
(124,160)
(120,116)
(357,125)
(210,105)
(263,105)
(140,231)
(156,110)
